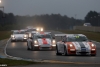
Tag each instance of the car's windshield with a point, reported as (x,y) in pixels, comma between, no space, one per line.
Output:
(19,33)
(42,36)
(77,38)
(31,30)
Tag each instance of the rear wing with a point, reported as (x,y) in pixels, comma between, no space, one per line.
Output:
(60,35)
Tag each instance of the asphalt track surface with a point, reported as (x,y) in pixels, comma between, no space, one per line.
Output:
(19,49)
(60,65)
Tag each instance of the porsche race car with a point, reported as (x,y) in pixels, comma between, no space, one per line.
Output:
(75,44)
(41,41)
(31,33)
(39,29)
(31,28)
(19,35)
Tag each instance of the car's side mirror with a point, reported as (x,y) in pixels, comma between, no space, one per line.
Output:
(63,41)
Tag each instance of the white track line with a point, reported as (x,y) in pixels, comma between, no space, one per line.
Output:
(5,49)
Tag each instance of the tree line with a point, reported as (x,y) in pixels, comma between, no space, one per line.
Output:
(52,21)
(93,17)
(7,20)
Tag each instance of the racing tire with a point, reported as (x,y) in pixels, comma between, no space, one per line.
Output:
(32,47)
(57,53)
(65,51)
(28,46)
(24,40)
(53,49)
(12,40)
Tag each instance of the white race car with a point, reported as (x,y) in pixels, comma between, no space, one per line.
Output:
(75,44)
(31,28)
(39,29)
(30,31)
(19,35)
(41,41)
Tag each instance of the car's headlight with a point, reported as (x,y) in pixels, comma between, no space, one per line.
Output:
(92,45)
(71,45)
(35,42)
(12,36)
(53,41)
(25,36)
(41,29)
(37,29)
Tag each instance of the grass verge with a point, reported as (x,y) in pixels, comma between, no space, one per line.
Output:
(4,34)
(91,35)
(10,62)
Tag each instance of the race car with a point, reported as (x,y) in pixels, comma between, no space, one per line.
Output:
(75,44)
(19,35)
(31,28)
(41,41)
(39,29)
(30,33)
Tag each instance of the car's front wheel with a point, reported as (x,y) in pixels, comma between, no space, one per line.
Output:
(65,51)
(32,47)
(57,53)
(28,46)
(12,40)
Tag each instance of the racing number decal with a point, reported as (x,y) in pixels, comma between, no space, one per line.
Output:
(44,41)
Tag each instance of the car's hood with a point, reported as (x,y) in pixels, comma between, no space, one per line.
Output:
(44,41)
(18,35)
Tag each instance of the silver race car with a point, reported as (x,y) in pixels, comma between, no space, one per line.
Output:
(31,28)
(31,33)
(75,44)
(41,41)
(19,35)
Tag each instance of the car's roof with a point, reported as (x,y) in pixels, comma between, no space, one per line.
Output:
(67,35)
(42,33)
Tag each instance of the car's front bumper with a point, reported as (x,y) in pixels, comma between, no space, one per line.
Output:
(45,47)
(18,39)
(81,51)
